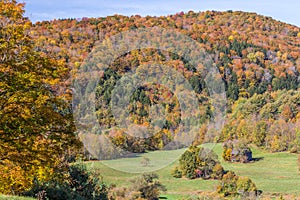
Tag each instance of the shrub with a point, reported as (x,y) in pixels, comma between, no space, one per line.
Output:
(123,193)
(143,187)
(218,171)
(234,186)
(294,149)
(199,162)
(176,172)
(228,184)
(227,154)
(148,186)
(79,184)
(245,186)
(189,162)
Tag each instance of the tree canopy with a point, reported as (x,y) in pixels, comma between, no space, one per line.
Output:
(35,125)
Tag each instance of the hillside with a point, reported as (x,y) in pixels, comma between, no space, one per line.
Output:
(251,51)
(254,55)
(119,88)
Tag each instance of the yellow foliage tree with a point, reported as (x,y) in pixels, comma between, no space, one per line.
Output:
(35,125)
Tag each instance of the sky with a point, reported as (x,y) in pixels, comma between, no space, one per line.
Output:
(37,10)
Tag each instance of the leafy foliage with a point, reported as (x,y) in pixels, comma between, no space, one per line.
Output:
(258,59)
(148,186)
(199,162)
(176,172)
(78,184)
(233,186)
(236,151)
(269,120)
(143,187)
(35,125)
(254,59)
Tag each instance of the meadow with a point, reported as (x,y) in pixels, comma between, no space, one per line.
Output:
(4,197)
(273,173)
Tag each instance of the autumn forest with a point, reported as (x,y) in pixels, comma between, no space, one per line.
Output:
(44,152)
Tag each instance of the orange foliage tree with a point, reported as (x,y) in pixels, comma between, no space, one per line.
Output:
(35,125)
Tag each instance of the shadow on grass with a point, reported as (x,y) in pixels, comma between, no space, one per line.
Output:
(257,159)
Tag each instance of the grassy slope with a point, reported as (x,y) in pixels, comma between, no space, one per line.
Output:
(15,197)
(274,173)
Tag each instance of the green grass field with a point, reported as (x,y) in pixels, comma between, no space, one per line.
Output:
(15,198)
(273,173)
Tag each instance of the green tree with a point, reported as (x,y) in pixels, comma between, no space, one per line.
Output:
(79,183)
(200,162)
(189,162)
(259,133)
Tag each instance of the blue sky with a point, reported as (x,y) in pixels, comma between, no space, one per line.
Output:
(37,10)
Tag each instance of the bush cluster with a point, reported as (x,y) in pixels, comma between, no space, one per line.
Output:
(79,184)
(232,185)
(198,162)
(146,186)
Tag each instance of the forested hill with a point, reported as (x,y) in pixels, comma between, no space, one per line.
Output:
(254,53)
(256,57)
